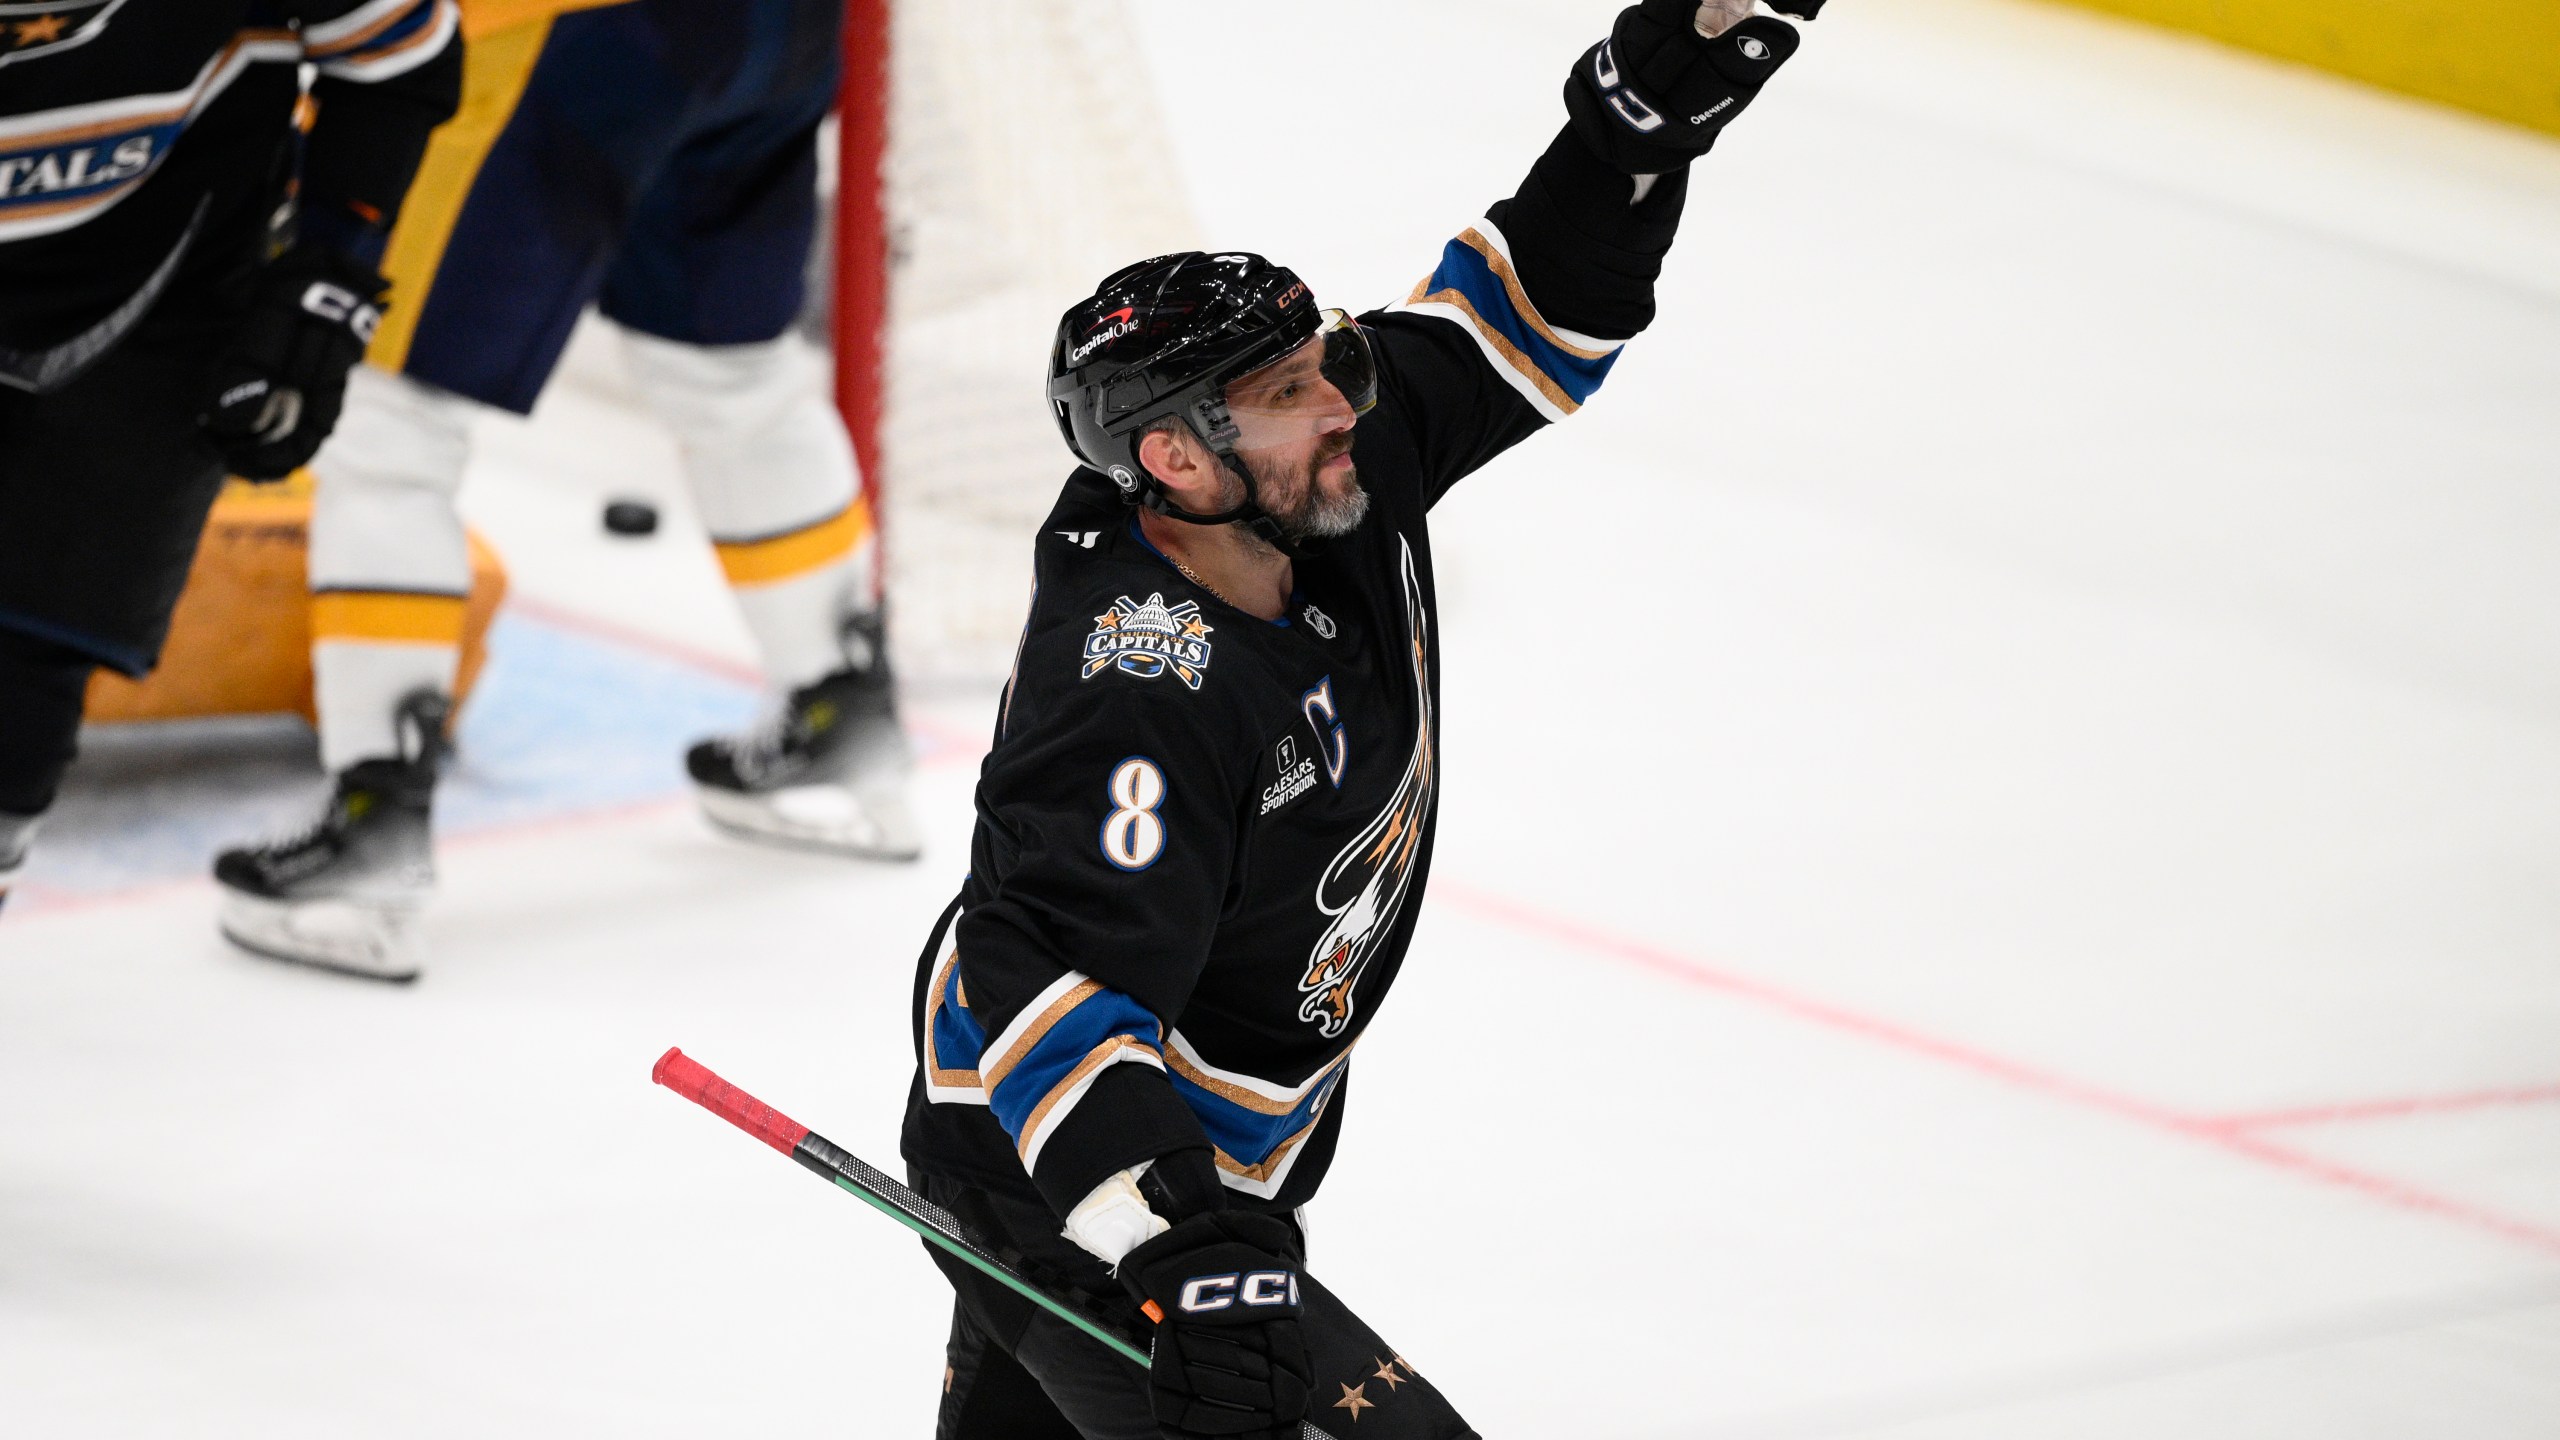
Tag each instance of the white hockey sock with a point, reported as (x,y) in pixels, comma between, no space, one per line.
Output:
(390,568)
(773,475)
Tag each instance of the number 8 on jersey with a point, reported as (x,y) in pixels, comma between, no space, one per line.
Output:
(1133,836)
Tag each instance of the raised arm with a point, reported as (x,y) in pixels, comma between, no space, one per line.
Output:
(1524,315)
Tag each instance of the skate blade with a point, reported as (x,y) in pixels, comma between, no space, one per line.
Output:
(827,818)
(370,941)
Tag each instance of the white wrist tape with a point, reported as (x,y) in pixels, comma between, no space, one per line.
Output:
(1717,16)
(1114,1219)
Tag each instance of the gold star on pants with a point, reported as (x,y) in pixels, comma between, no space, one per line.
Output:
(1353,1401)
(43,27)
(1387,1371)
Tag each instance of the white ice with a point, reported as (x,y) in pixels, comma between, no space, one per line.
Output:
(2000,877)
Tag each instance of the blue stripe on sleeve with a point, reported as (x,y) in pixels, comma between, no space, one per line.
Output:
(958,1039)
(420,16)
(1103,1014)
(1465,270)
(1249,1136)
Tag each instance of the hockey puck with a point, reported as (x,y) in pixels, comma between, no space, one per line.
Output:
(631,517)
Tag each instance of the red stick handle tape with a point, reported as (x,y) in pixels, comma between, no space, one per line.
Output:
(687,1077)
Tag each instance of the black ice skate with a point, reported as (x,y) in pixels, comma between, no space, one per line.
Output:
(827,772)
(345,894)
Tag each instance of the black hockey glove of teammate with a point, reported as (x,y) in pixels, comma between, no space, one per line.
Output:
(1654,95)
(276,392)
(1229,1358)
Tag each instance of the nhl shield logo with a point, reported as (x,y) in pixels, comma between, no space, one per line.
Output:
(1149,641)
(28,31)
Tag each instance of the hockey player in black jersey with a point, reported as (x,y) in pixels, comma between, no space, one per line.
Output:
(186,276)
(1205,825)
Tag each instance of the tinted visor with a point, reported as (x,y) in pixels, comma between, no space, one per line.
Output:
(1349,364)
(1329,380)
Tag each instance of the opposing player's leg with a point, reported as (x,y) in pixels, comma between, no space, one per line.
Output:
(1363,1386)
(515,213)
(708,282)
(390,575)
(773,476)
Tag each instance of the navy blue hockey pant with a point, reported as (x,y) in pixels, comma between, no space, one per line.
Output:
(657,158)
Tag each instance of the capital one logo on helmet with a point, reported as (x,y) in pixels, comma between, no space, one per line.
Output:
(1119,323)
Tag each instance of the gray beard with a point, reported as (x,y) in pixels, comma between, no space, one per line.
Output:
(1320,516)
(1327,515)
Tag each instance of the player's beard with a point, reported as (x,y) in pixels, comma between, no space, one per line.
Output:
(1301,504)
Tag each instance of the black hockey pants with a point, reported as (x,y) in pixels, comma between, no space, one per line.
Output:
(104,487)
(1016,1372)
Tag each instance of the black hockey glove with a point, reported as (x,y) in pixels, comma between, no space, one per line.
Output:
(277,390)
(1654,95)
(1229,1358)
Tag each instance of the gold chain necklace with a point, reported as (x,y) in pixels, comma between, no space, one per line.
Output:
(1194,577)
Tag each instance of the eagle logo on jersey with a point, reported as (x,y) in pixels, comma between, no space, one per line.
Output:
(27,31)
(1149,640)
(1365,887)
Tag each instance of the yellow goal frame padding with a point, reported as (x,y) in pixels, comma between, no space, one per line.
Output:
(240,642)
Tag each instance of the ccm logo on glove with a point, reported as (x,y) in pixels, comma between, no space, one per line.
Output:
(343,307)
(1604,69)
(1204,1293)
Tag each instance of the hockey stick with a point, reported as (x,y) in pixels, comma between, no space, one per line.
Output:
(939,1227)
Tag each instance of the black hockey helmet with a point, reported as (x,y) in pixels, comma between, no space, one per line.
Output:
(1163,338)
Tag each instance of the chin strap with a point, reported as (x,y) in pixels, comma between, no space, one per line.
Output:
(1250,514)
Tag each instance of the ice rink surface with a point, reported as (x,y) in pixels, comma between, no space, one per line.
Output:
(2000,875)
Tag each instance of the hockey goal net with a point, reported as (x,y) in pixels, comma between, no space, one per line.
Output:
(996,158)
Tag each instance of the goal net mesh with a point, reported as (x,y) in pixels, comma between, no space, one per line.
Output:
(1026,159)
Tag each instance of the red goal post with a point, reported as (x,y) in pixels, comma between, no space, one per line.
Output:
(861,282)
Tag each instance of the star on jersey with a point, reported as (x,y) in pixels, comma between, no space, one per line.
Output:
(1353,1400)
(1149,640)
(30,30)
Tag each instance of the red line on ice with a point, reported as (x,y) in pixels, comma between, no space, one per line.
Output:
(544,613)
(2222,1134)
(72,902)
(2390,1109)
(947,746)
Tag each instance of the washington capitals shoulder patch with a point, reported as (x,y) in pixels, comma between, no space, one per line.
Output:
(1149,641)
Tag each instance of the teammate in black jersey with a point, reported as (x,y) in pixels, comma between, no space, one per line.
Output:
(156,327)
(1205,825)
